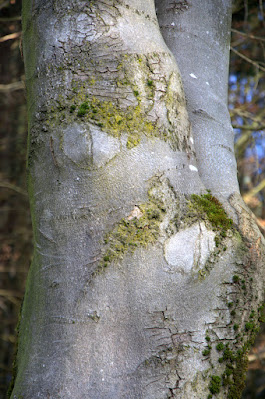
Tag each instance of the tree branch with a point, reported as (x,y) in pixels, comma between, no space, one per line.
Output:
(9,19)
(248,35)
(13,187)
(249,127)
(10,37)
(254,191)
(247,59)
(12,86)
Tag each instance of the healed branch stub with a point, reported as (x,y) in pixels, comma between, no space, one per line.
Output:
(130,283)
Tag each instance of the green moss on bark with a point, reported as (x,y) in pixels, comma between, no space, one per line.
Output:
(209,206)
(133,232)
(235,356)
(15,366)
(115,120)
(215,384)
(134,88)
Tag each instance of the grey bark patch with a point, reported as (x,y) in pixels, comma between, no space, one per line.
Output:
(104,147)
(77,144)
(189,248)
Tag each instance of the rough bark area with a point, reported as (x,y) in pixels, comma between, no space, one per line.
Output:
(140,283)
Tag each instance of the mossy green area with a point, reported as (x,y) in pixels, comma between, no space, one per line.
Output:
(236,363)
(15,367)
(145,224)
(215,384)
(235,279)
(112,119)
(232,356)
(124,101)
(233,377)
(116,121)
(207,207)
(235,359)
(206,352)
(220,346)
(135,232)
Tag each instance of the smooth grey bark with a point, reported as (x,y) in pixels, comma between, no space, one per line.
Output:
(131,281)
(203,30)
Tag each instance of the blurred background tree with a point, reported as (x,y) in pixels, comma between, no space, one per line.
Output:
(246,104)
(247,110)
(15,225)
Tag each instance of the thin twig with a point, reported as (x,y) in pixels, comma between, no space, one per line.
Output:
(12,293)
(12,36)
(249,127)
(10,19)
(13,187)
(12,86)
(247,59)
(262,39)
(254,191)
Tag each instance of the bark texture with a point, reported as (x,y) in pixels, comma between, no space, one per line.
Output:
(198,34)
(140,282)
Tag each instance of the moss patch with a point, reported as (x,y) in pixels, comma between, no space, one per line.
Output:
(206,352)
(133,232)
(215,384)
(134,85)
(114,120)
(142,227)
(244,321)
(220,346)
(235,359)
(235,370)
(111,118)
(15,366)
(208,205)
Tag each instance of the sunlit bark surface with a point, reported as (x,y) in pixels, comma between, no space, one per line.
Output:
(140,282)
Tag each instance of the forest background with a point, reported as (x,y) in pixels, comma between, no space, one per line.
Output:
(247,109)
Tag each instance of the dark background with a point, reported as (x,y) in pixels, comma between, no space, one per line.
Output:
(247,108)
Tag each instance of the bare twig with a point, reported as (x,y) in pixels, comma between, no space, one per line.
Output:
(13,187)
(10,19)
(254,191)
(10,293)
(262,39)
(249,127)
(247,59)
(12,86)
(12,36)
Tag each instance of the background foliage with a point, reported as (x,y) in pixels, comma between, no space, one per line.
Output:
(246,104)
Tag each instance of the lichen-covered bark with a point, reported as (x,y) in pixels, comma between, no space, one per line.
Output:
(138,272)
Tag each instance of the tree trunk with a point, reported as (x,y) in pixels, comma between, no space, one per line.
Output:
(141,285)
